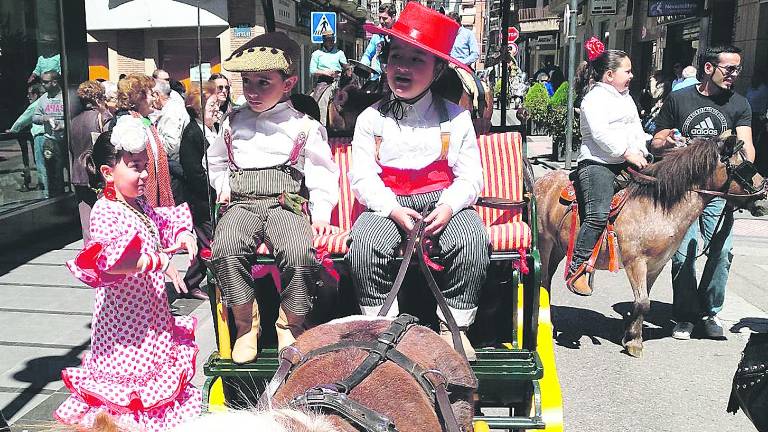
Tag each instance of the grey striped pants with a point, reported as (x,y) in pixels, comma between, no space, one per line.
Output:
(289,236)
(376,241)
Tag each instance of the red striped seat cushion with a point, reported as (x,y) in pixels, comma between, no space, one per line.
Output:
(502,160)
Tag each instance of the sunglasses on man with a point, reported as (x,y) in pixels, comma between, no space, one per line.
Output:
(222,87)
(730,70)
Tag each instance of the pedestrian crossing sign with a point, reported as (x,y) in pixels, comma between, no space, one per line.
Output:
(322,22)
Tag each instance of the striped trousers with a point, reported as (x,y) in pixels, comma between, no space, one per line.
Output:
(463,244)
(255,217)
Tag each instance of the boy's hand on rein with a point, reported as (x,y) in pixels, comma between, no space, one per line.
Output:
(404,217)
(223,198)
(324,228)
(175,277)
(437,219)
(636,158)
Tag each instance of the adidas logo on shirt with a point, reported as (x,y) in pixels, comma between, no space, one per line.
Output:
(706,127)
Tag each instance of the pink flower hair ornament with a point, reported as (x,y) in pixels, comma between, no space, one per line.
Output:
(594,48)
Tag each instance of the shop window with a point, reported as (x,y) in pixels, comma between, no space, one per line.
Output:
(34,160)
(178,56)
(98,60)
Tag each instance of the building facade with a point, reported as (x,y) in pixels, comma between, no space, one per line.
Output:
(139,36)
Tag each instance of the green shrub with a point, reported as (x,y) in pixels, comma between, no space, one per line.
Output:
(536,102)
(552,113)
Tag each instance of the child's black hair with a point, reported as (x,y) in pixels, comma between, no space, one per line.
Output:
(103,153)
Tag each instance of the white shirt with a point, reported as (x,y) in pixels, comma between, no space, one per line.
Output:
(413,143)
(171,121)
(262,140)
(610,125)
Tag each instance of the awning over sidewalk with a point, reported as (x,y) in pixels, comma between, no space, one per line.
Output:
(136,14)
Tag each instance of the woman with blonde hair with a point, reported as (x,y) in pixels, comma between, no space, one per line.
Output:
(84,130)
(135,97)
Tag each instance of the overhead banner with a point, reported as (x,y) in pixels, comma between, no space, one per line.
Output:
(657,8)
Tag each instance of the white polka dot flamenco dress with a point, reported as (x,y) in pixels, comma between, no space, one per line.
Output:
(142,358)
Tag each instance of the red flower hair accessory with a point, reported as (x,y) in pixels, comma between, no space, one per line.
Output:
(594,48)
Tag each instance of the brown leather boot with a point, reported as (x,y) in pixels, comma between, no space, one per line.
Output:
(578,282)
(445,333)
(248,323)
(288,327)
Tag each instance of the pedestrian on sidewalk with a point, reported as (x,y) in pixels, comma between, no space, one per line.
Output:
(142,358)
(612,139)
(706,110)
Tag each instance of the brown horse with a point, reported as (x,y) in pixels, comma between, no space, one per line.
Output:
(389,390)
(654,219)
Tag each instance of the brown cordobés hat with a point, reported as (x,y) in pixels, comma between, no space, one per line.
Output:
(270,51)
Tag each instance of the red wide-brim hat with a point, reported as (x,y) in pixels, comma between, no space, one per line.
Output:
(425,29)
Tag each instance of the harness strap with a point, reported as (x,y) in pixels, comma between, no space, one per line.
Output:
(352,411)
(386,341)
(444,407)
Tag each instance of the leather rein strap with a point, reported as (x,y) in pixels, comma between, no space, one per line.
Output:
(415,243)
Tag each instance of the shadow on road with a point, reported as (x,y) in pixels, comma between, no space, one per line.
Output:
(40,372)
(572,324)
(757,325)
(45,241)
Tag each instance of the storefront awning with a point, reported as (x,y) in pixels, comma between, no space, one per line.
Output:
(139,14)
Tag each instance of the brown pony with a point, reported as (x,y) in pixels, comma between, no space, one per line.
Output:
(388,390)
(654,219)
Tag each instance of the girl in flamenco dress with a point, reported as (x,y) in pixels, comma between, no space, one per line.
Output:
(142,358)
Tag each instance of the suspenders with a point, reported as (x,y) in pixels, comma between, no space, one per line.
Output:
(293,158)
(445,129)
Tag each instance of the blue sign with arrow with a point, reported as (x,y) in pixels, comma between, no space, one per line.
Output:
(322,23)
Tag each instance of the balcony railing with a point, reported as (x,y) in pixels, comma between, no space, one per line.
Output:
(529,14)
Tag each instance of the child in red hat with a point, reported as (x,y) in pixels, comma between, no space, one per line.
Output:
(412,151)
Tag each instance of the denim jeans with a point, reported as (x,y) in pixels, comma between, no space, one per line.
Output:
(42,174)
(594,190)
(692,301)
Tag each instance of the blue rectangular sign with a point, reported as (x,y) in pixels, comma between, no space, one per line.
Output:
(657,8)
(322,22)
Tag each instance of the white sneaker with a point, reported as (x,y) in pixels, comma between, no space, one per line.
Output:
(682,330)
(713,328)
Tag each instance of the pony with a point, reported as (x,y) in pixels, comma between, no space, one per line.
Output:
(662,203)
(388,390)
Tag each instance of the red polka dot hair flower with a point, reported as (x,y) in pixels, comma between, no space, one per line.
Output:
(594,48)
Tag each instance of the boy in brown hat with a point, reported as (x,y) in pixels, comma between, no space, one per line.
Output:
(264,153)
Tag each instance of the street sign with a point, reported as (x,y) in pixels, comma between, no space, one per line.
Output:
(603,7)
(513,49)
(657,8)
(512,35)
(322,22)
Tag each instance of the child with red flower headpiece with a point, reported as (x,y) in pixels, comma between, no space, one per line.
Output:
(142,358)
(612,139)
(415,151)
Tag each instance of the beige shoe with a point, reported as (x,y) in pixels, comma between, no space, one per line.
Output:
(469,350)
(246,347)
(578,282)
(283,329)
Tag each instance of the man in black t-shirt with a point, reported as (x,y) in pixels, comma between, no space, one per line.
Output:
(705,110)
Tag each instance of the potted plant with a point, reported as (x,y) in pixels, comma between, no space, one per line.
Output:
(551,115)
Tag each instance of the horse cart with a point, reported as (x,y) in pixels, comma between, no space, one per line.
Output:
(515,367)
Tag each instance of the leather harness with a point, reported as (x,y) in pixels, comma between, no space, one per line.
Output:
(334,398)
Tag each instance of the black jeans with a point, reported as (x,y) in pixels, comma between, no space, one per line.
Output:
(594,189)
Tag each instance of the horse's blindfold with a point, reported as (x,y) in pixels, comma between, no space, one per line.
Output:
(744,175)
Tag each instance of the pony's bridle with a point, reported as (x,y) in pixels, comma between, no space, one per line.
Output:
(742,174)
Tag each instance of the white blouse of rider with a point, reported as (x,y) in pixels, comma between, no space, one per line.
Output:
(610,125)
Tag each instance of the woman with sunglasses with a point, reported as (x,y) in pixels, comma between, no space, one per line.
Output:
(223,94)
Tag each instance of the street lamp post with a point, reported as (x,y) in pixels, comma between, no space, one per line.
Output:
(571,76)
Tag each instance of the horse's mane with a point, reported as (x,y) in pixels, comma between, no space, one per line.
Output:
(678,172)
